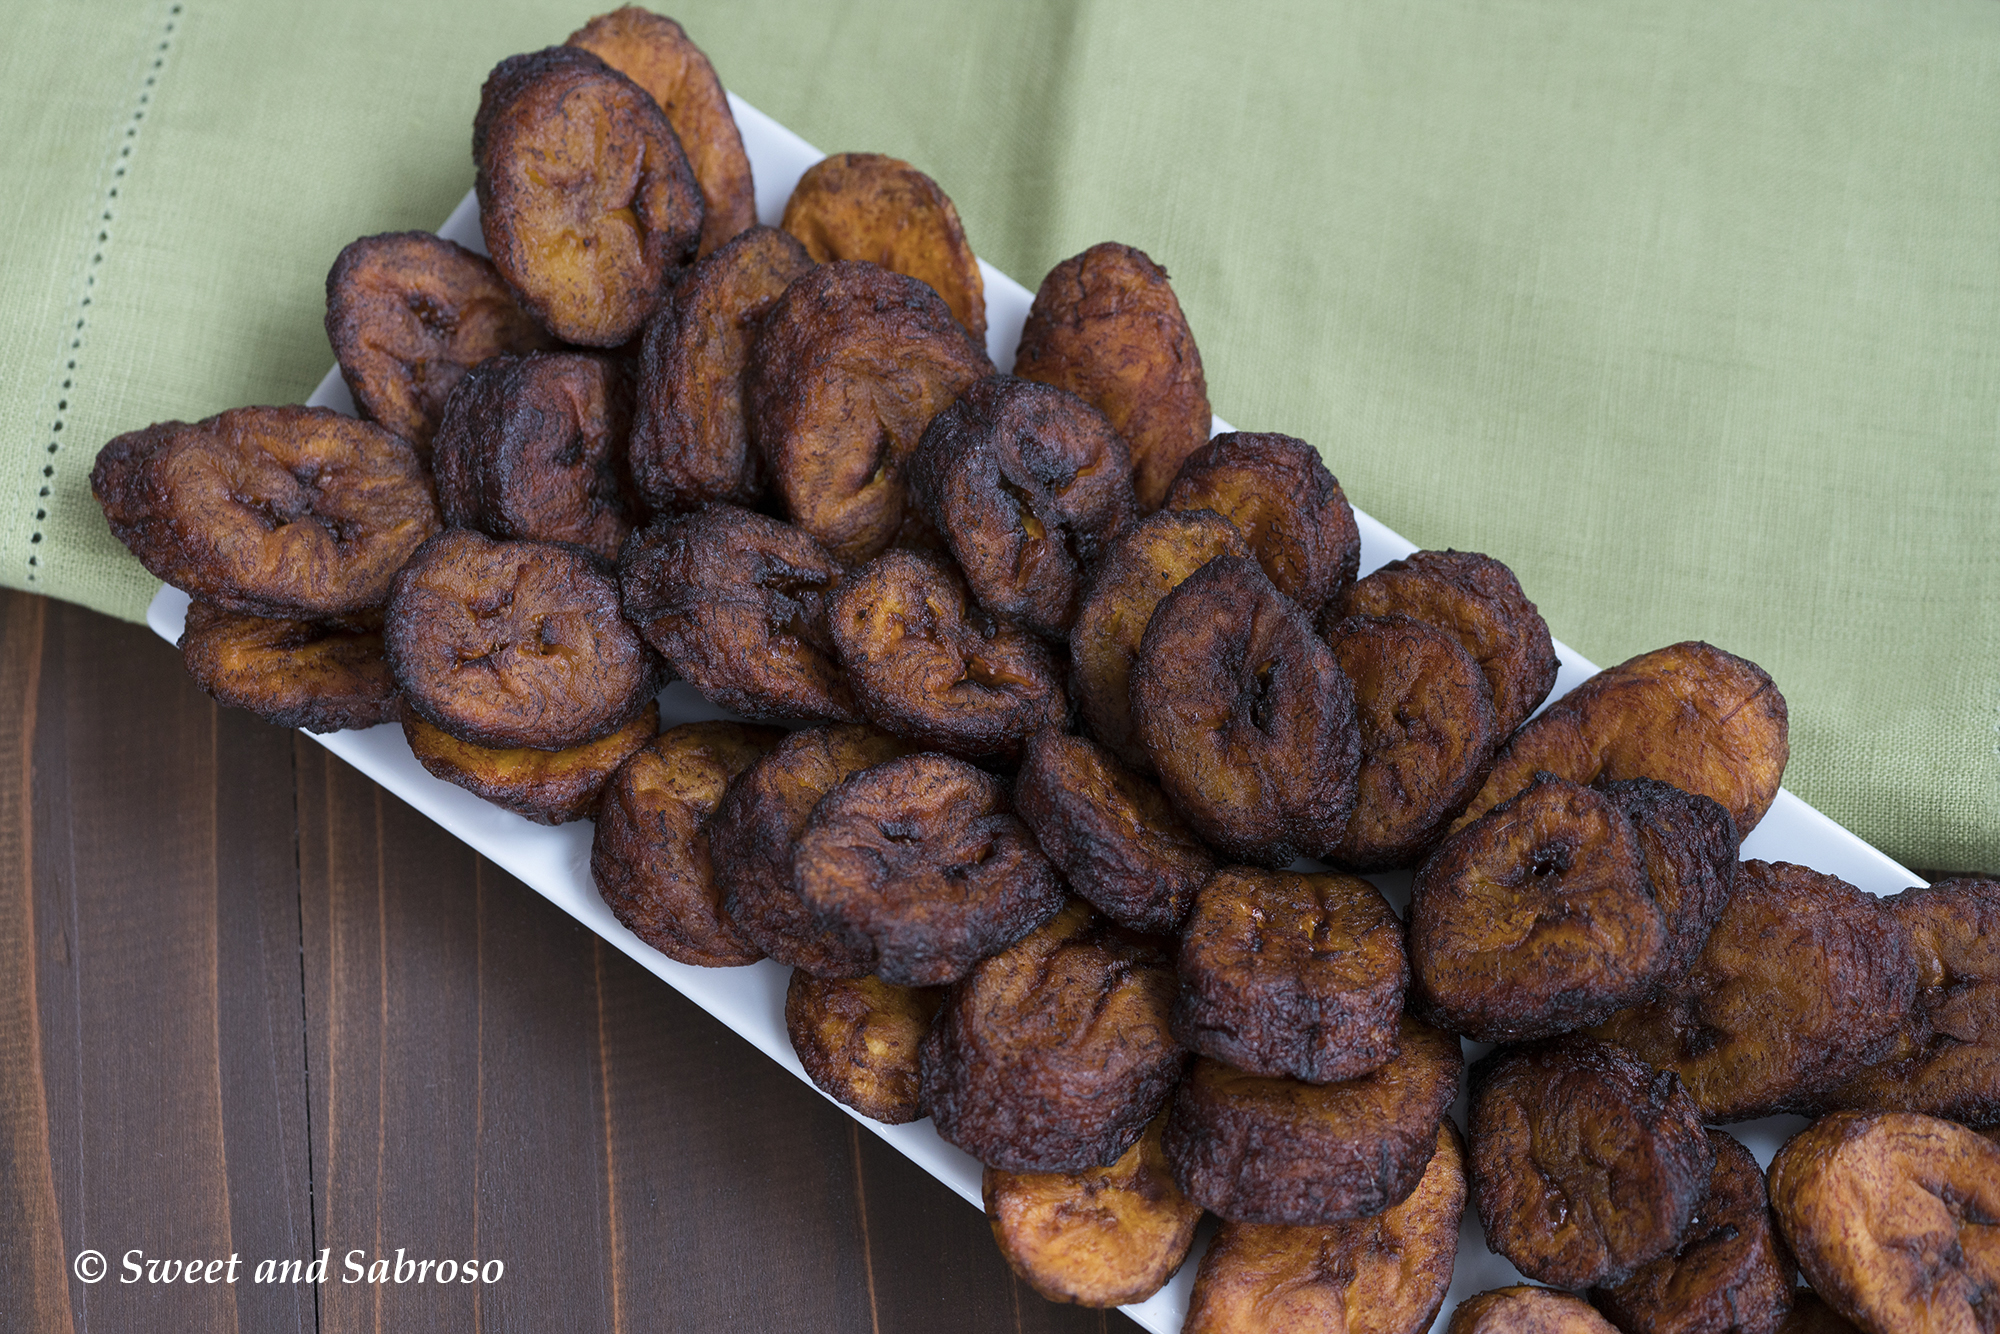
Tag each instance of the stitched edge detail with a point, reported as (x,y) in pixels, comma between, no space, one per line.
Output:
(108,209)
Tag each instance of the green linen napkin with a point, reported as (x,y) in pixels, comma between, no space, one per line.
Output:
(1689,311)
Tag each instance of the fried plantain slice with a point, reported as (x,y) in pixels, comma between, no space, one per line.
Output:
(1428,731)
(1247,717)
(1288,507)
(1525,1310)
(920,867)
(1053,1055)
(656,53)
(1946,1058)
(650,855)
(690,434)
(1811,1315)
(515,643)
(1028,485)
(1105,1236)
(586,200)
(545,786)
(864,206)
(1689,714)
(1536,919)
(1109,832)
(533,449)
(1803,981)
(1729,1274)
(1283,973)
(928,664)
(736,602)
(1254,1149)
(408,314)
(1586,1162)
(1479,600)
(849,368)
(1106,326)
(292,513)
(858,1040)
(1895,1220)
(751,834)
(1689,847)
(1386,1274)
(1120,596)
(324,676)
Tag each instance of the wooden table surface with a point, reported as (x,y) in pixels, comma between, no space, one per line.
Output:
(250,1004)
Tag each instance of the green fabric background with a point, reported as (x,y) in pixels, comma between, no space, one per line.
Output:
(1690,312)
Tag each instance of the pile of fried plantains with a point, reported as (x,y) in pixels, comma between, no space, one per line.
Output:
(1041,695)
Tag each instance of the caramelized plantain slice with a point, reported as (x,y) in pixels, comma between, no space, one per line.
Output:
(1284,973)
(292,513)
(1803,981)
(1105,1236)
(1028,485)
(1525,1310)
(1120,596)
(858,1039)
(324,676)
(1689,846)
(1053,1055)
(1689,714)
(656,53)
(1254,1149)
(515,643)
(1288,507)
(1586,1162)
(1895,1220)
(650,855)
(736,602)
(1536,919)
(1247,717)
(690,435)
(546,786)
(865,206)
(408,314)
(1106,326)
(586,200)
(1386,1274)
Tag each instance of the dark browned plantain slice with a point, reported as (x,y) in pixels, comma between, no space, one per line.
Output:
(1586,1162)
(1895,1220)
(1525,1310)
(1028,485)
(849,368)
(1536,919)
(1053,1055)
(1387,1274)
(1120,596)
(1110,832)
(294,513)
(1105,1236)
(650,856)
(546,786)
(690,435)
(1730,1272)
(1288,507)
(586,200)
(1247,717)
(1106,326)
(1689,714)
(323,676)
(515,643)
(869,207)
(1283,973)
(858,1039)
(1803,981)
(928,664)
(736,602)
(1689,846)
(408,314)
(1260,1150)
(655,53)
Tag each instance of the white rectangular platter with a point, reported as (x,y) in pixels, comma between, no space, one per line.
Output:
(556,862)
